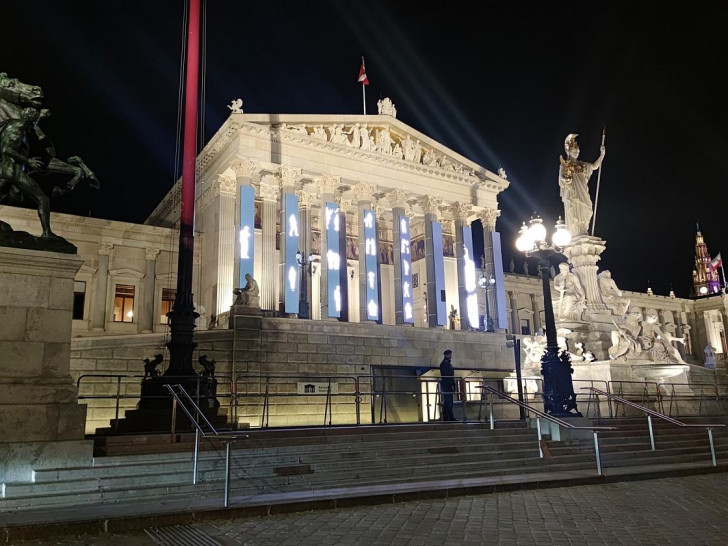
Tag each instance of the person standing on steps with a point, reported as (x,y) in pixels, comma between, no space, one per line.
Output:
(447,386)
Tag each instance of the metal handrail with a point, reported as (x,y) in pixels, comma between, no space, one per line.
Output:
(228,438)
(652,413)
(540,414)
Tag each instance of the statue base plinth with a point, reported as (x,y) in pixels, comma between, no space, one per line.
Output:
(41,422)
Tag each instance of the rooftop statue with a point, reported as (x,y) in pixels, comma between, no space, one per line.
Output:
(574,183)
(236,106)
(28,159)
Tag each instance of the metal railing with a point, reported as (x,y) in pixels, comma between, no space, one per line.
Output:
(180,398)
(652,413)
(542,415)
(125,382)
(267,381)
(675,393)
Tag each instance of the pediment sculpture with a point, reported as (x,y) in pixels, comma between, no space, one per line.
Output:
(379,139)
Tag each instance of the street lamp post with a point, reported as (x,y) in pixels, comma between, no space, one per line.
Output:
(486,283)
(558,390)
(304,264)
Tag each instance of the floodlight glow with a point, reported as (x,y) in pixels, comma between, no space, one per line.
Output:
(292,279)
(337,299)
(524,242)
(536,230)
(472,304)
(333,260)
(292,226)
(245,243)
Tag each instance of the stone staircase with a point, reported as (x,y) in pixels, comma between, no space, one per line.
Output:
(303,461)
(289,460)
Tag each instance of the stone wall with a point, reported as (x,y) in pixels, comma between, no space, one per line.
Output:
(282,353)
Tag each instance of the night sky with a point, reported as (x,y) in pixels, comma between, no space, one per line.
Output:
(501,83)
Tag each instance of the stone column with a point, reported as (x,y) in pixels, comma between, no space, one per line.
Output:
(327,187)
(267,283)
(488,218)
(461,211)
(305,203)
(98,315)
(398,200)
(431,208)
(515,319)
(583,253)
(226,187)
(536,313)
(146,324)
(344,206)
(287,176)
(245,169)
(363,193)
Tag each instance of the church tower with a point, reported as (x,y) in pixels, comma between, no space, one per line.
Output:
(705,276)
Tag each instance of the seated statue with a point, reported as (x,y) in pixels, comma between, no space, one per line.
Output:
(249,295)
(612,295)
(572,298)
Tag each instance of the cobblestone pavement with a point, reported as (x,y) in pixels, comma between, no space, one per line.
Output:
(685,511)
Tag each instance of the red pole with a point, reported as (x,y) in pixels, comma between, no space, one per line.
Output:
(182,317)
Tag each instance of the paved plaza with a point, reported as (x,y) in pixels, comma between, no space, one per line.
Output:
(683,511)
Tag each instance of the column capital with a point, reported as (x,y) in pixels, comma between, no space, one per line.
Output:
(151,254)
(244,167)
(430,205)
(345,204)
(226,184)
(306,198)
(269,188)
(327,183)
(288,175)
(105,249)
(488,217)
(398,198)
(461,210)
(363,191)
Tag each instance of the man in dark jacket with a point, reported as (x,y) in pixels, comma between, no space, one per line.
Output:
(447,386)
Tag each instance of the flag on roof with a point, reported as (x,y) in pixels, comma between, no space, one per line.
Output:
(717,261)
(363,74)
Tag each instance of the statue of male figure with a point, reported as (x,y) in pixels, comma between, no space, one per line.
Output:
(574,183)
(15,163)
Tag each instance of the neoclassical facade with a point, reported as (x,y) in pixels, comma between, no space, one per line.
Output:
(384,183)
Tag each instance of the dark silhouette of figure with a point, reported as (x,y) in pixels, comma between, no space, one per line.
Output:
(447,386)
(208,367)
(150,366)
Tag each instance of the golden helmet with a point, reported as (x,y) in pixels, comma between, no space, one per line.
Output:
(570,142)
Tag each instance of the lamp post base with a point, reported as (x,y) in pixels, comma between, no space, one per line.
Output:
(558,394)
(303,310)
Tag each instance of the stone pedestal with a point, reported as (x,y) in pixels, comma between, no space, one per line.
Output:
(583,253)
(41,422)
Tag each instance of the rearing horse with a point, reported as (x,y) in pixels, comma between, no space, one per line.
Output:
(16,95)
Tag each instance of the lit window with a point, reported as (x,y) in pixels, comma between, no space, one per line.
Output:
(124,303)
(79,299)
(168,295)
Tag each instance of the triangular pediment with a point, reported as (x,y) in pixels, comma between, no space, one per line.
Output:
(380,135)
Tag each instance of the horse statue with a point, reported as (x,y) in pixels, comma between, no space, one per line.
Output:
(27,155)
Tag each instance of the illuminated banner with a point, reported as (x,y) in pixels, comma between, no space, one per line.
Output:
(291,276)
(406,265)
(500,293)
(370,262)
(439,258)
(333,259)
(470,282)
(246,235)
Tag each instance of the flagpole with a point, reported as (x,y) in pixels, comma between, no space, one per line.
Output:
(599,179)
(364,98)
